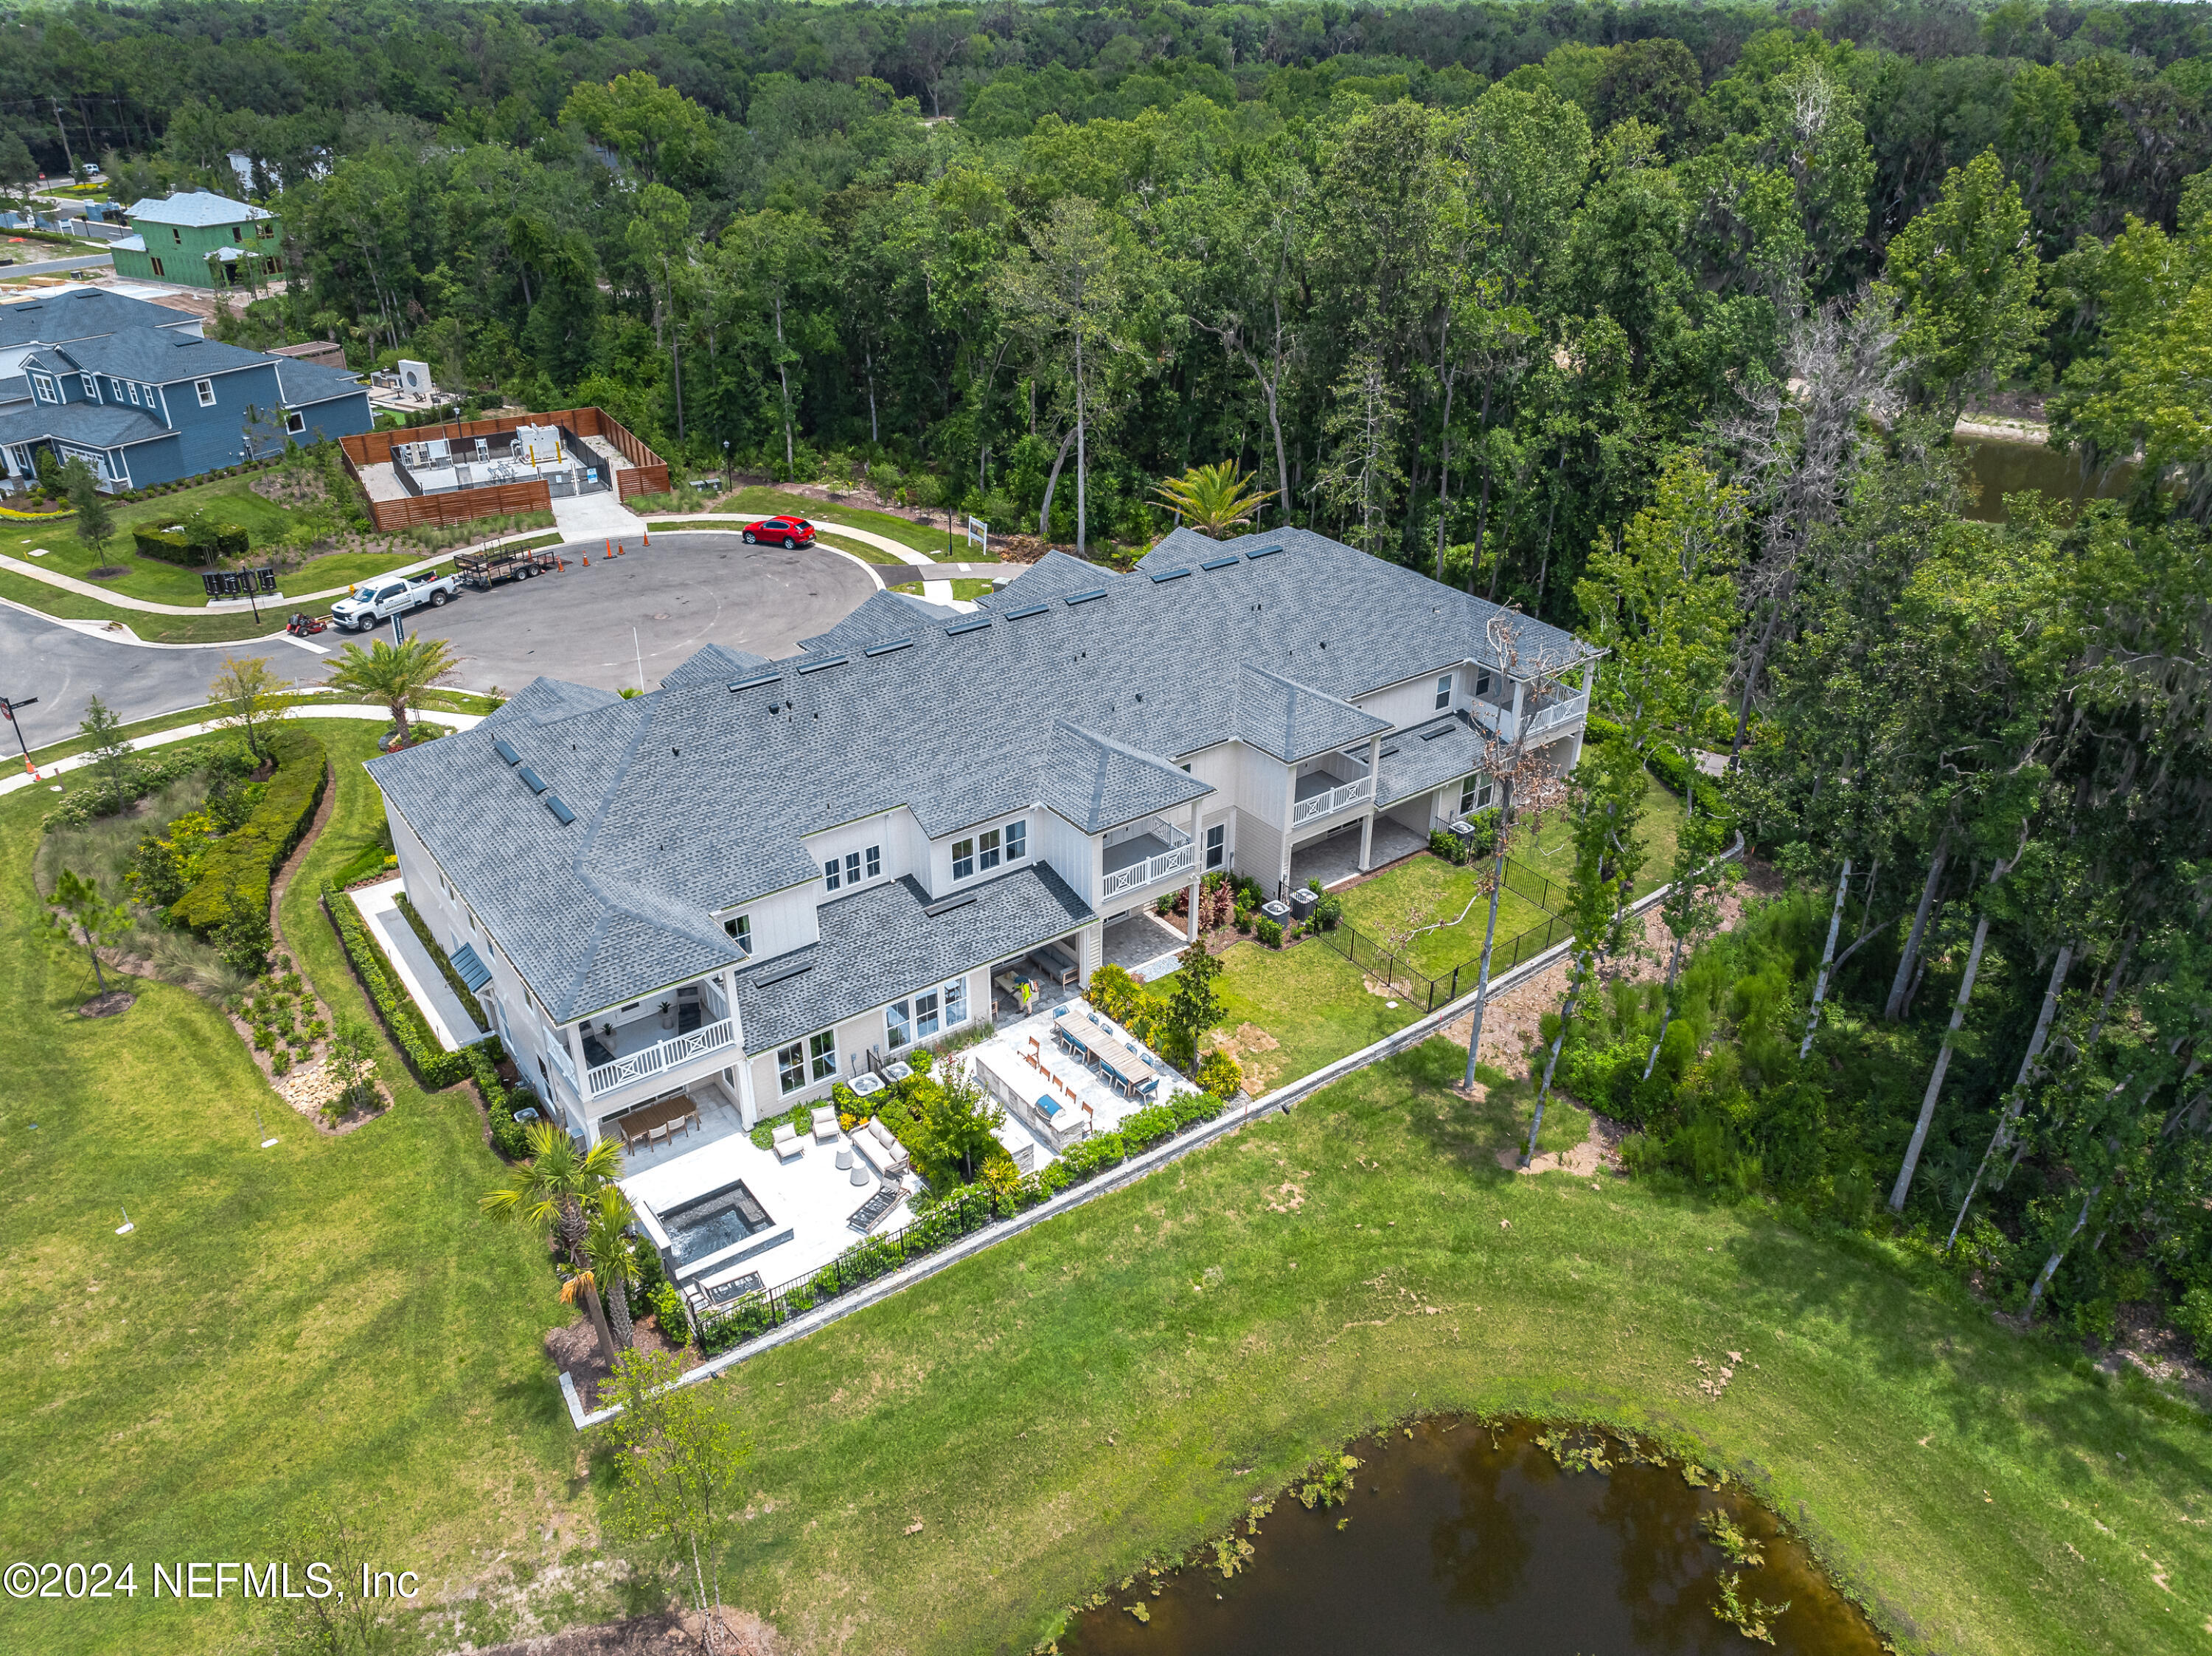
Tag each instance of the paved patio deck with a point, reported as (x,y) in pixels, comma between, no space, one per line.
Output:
(1144,945)
(1334,859)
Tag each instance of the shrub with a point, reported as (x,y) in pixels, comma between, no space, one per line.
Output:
(1220,1076)
(668,1311)
(239,866)
(227,541)
(508,1136)
(2193,1316)
(435,1067)
(462,992)
(1444,843)
(1328,913)
(1269,934)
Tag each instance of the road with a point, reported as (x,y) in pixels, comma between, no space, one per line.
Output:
(57,266)
(65,668)
(644,613)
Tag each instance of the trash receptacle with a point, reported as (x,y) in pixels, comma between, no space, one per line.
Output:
(1301,903)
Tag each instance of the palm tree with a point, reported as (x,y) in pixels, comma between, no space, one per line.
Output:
(611,1256)
(551,1189)
(394,674)
(584,1285)
(1213,500)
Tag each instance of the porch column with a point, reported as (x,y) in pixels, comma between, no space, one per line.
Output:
(1290,827)
(1090,949)
(1197,869)
(1374,802)
(1519,687)
(575,1035)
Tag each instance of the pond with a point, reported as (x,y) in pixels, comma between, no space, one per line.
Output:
(1999,468)
(1471,1537)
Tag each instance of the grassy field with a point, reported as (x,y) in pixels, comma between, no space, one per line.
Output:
(1439,892)
(334,1318)
(938,542)
(434,702)
(330,1317)
(1291,1010)
(229,500)
(1551,850)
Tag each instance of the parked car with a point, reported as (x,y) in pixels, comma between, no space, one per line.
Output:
(787,532)
(375,600)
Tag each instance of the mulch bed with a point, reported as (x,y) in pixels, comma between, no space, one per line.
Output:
(107,572)
(107,1005)
(575,1352)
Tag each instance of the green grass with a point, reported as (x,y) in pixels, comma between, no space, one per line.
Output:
(1307,1000)
(1551,850)
(941,545)
(433,703)
(333,1318)
(220,628)
(330,1318)
(1439,892)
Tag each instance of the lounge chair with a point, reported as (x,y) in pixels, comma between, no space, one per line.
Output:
(825,1123)
(883,1149)
(787,1141)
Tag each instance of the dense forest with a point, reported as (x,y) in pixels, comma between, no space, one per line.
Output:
(1655,320)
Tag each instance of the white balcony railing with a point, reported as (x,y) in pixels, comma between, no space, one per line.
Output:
(1558,713)
(1498,719)
(1180,859)
(661,1056)
(1316,806)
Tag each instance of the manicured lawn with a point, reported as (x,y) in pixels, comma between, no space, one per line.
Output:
(1439,892)
(1290,1010)
(1550,852)
(217,628)
(228,500)
(332,1318)
(433,703)
(1120,1383)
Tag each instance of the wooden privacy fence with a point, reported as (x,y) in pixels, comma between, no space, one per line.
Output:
(646,474)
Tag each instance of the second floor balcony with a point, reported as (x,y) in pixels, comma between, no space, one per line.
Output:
(1336,782)
(1143,853)
(647,1041)
(1542,708)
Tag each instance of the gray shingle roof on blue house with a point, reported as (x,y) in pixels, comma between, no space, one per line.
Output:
(84,313)
(94,425)
(154,355)
(303,384)
(693,799)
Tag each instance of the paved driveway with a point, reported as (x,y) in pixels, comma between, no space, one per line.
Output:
(644,613)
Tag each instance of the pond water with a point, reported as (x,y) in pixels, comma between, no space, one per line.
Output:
(1467,1536)
(1999,468)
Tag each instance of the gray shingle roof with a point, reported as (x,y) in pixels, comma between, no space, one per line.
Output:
(717,664)
(194,207)
(882,944)
(83,313)
(96,425)
(160,355)
(303,383)
(1428,756)
(1280,717)
(881,616)
(693,799)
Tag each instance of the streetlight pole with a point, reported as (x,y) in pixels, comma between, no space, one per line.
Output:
(7,711)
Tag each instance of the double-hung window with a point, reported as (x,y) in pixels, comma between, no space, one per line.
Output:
(791,1067)
(832,872)
(991,848)
(963,858)
(740,928)
(852,868)
(1473,795)
(45,388)
(926,1022)
(1217,846)
(91,388)
(206,389)
(1482,683)
(1444,692)
(1017,841)
(955,1003)
(898,1025)
(822,1053)
(875,861)
(149,390)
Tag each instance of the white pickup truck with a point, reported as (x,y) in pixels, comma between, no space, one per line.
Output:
(373,600)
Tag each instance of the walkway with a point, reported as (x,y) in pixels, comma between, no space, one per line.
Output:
(56,266)
(441,1008)
(597,517)
(43,776)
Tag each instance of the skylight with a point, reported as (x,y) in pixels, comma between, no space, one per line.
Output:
(784,976)
(1220,563)
(1264,552)
(827,661)
(758,678)
(975,626)
(1170,574)
(1074,599)
(888,647)
(1020,615)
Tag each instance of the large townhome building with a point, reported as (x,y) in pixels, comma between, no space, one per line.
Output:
(764,877)
(146,405)
(79,313)
(196,239)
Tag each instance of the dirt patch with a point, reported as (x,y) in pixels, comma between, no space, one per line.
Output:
(575,1352)
(1600,1150)
(742,1633)
(1245,1043)
(107,1005)
(2141,1341)
(107,572)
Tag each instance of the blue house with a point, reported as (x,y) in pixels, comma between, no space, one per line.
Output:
(145,405)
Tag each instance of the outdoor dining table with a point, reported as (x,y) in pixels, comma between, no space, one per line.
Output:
(669,1111)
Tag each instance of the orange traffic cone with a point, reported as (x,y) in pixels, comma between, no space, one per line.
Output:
(587,560)
(648,537)
(610,547)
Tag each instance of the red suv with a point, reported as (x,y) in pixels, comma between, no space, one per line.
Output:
(787,532)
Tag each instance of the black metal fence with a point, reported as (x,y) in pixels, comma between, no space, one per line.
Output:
(1385,965)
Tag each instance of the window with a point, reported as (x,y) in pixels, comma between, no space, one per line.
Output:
(149,390)
(740,928)
(237,233)
(898,1026)
(44,386)
(991,848)
(1473,798)
(1217,843)
(1017,841)
(925,1015)
(852,868)
(273,266)
(176,236)
(791,1067)
(157,267)
(266,228)
(955,1003)
(91,387)
(133,389)
(822,1050)
(831,870)
(875,861)
(295,423)
(1482,683)
(963,858)
(1444,692)
(206,389)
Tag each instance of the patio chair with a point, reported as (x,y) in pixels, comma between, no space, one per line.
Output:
(787,1141)
(691,1123)
(656,1137)
(825,1123)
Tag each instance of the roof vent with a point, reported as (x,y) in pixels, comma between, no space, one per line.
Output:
(1074,599)
(1220,563)
(1263,552)
(784,976)
(1430,735)
(562,814)
(975,626)
(950,904)
(827,661)
(1023,615)
(505,749)
(536,783)
(886,648)
(1166,575)
(758,678)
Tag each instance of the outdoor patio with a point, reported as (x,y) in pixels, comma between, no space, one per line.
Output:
(1143,939)
(718,1119)
(1052,1099)
(1334,857)
(807,1202)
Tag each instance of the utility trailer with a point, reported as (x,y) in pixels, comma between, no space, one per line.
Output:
(485,569)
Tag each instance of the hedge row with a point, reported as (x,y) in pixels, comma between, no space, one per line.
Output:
(501,1102)
(465,995)
(230,542)
(434,1066)
(1674,772)
(241,865)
